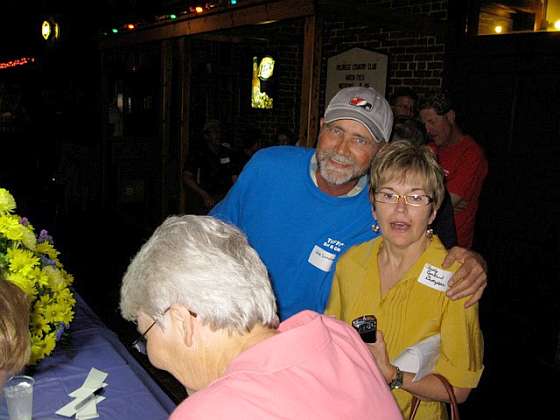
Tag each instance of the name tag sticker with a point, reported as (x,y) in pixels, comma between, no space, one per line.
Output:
(435,277)
(321,259)
(224,160)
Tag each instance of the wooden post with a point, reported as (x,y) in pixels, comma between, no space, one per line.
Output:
(184,73)
(309,108)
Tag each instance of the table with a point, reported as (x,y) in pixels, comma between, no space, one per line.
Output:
(131,392)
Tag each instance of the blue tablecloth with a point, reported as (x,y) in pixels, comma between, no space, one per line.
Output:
(131,392)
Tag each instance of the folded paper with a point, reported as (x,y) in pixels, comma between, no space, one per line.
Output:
(420,358)
(84,404)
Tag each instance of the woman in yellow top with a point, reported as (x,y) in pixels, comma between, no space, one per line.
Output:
(399,278)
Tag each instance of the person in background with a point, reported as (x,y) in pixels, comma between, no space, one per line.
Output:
(462,159)
(211,168)
(412,130)
(399,277)
(252,141)
(409,129)
(403,102)
(302,208)
(204,305)
(15,343)
(285,138)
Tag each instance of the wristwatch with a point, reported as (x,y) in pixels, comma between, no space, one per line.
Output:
(397,381)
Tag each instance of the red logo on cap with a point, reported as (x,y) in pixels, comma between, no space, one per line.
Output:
(361,102)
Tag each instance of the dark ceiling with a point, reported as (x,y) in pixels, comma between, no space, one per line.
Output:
(20,20)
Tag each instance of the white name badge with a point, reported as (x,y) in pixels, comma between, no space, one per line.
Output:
(435,277)
(224,160)
(321,259)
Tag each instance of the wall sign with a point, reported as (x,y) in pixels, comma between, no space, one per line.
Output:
(356,67)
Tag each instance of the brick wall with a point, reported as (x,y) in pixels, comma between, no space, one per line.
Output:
(415,59)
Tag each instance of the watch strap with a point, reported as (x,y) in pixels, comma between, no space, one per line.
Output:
(397,381)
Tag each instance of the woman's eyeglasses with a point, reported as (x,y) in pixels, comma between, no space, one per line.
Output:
(140,343)
(414,200)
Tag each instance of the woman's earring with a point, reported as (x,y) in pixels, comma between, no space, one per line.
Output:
(429,233)
(375,227)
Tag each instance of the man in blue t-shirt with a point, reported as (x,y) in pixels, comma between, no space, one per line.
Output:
(302,208)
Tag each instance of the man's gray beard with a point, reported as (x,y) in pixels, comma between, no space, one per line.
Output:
(337,176)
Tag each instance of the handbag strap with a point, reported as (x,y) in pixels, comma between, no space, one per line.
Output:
(452,400)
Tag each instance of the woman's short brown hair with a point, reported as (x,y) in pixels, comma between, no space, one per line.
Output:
(401,160)
(15,347)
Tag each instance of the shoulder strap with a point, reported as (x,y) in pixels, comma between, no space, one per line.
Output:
(452,400)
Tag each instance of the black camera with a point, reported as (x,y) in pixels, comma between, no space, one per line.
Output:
(366,325)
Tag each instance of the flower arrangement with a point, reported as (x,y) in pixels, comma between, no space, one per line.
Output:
(31,262)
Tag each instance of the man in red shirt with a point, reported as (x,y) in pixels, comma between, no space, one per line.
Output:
(462,159)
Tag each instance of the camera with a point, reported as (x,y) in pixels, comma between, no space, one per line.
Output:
(366,325)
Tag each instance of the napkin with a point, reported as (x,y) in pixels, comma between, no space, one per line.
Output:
(85,393)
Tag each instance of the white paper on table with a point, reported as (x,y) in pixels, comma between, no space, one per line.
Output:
(70,409)
(84,392)
(92,383)
(94,379)
(89,411)
(420,358)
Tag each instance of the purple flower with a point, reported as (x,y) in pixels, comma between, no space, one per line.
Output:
(47,261)
(24,221)
(44,237)
(60,330)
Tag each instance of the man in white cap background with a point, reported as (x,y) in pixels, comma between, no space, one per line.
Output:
(302,208)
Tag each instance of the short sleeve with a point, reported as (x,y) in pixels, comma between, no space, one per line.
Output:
(461,355)
(469,174)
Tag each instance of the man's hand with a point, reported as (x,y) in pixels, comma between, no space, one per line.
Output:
(470,279)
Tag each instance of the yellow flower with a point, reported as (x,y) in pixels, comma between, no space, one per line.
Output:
(42,304)
(7,202)
(11,228)
(23,282)
(55,279)
(39,322)
(48,249)
(22,260)
(28,237)
(37,270)
(68,278)
(53,312)
(42,345)
(65,296)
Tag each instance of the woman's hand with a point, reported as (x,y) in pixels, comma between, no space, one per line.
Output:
(470,279)
(379,352)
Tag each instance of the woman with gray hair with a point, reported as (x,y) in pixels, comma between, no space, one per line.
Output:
(205,307)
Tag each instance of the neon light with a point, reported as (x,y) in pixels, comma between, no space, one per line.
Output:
(46,30)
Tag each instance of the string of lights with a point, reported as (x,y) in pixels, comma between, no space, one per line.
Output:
(22,61)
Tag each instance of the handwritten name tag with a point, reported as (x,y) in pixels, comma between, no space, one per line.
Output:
(435,277)
(321,259)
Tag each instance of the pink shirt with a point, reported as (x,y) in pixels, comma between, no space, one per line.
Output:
(317,368)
